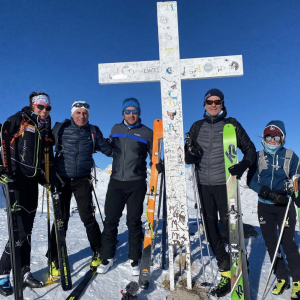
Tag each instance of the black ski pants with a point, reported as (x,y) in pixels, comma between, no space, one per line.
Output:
(82,189)
(26,193)
(119,193)
(269,217)
(213,200)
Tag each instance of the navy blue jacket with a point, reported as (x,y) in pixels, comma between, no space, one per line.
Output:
(74,158)
(130,148)
(274,176)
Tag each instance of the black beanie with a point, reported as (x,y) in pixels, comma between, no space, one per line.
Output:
(213,92)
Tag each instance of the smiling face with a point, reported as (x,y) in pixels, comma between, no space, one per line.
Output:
(213,109)
(42,113)
(80,117)
(131,118)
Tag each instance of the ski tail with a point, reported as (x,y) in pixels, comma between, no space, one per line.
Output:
(144,278)
(12,214)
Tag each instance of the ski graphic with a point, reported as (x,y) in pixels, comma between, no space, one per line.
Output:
(12,214)
(239,274)
(144,278)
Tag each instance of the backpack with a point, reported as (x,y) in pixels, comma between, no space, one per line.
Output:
(286,166)
(56,130)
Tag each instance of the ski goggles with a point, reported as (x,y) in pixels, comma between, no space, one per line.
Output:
(269,138)
(41,107)
(134,111)
(78,105)
(216,102)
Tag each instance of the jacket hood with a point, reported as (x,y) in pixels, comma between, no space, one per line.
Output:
(279,125)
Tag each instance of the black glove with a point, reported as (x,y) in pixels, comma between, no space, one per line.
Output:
(159,167)
(239,169)
(193,147)
(279,197)
(2,170)
(296,200)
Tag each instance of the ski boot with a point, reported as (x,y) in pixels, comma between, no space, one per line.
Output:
(55,271)
(135,268)
(29,280)
(281,286)
(106,264)
(224,286)
(296,290)
(96,260)
(5,286)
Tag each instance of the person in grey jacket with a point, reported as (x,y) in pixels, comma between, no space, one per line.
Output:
(204,148)
(131,141)
(75,144)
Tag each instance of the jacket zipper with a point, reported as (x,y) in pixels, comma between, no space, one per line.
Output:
(272,173)
(124,154)
(77,153)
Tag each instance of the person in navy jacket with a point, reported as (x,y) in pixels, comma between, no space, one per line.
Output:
(271,179)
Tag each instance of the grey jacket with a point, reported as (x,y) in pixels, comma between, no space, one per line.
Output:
(130,148)
(210,166)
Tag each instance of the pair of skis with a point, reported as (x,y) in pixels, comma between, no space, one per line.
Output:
(238,256)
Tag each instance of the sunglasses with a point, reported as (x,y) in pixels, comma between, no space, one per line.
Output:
(210,102)
(269,138)
(85,105)
(134,111)
(41,107)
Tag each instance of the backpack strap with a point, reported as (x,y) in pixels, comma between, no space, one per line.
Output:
(287,162)
(94,134)
(262,164)
(55,132)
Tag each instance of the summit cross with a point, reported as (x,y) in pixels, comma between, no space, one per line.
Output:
(169,70)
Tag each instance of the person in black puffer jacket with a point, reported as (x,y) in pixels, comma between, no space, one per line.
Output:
(204,148)
(131,141)
(30,133)
(75,143)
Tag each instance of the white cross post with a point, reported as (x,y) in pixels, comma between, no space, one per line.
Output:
(170,70)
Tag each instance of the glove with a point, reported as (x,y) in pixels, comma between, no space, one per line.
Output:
(160,167)
(279,197)
(296,200)
(193,147)
(239,169)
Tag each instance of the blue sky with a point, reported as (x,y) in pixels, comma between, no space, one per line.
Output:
(55,46)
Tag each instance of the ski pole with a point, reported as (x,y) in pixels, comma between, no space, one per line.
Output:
(98,205)
(204,226)
(277,247)
(46,156)
(43,200)
(198,224)
(158,214)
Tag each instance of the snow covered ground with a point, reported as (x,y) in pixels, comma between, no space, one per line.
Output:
(108,286)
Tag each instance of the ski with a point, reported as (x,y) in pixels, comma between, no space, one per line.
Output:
(65,274)
(239,276)
(12,214)
(78,291)
(144,278)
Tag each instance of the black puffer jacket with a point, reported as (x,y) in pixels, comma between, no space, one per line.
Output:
(130,151)
(75,156)
(210,164)
(28,142)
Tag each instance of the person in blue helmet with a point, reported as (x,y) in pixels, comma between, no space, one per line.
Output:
(271,178)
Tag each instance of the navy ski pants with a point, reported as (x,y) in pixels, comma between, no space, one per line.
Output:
(119,193)
(82,189)
(26,193)
(269,217)
(213,200)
